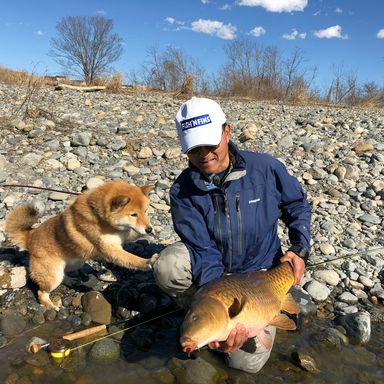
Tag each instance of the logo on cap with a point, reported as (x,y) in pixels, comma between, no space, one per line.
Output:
(194,122)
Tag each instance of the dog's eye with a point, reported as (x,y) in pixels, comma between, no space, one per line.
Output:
(134,214)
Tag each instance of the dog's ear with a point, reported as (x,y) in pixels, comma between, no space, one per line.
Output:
(147,188)
(119,202)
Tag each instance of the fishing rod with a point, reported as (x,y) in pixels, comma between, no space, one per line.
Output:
(61,348)
(366,252)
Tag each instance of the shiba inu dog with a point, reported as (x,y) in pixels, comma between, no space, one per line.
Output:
(95,226)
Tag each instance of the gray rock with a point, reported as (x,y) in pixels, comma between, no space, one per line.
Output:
(318,291)
(348,298)
(358,326)
(106,349)
(327,276)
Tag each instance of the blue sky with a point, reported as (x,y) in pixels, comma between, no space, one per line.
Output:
(347,34)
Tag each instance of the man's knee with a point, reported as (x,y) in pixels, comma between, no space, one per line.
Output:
(251,362)
(172,270)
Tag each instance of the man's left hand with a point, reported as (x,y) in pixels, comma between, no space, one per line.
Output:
(297,263)
(237,337)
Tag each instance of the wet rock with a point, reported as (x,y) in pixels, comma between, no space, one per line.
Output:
(358,327)
(194,371)
(333,337)
(147,303)
(304,361)
(304,300)
(163,376)
(40,359)
(105,349)
(33,343)
(97,307)
(143,338)
(12,324)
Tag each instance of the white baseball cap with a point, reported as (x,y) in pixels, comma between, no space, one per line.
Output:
(199,122)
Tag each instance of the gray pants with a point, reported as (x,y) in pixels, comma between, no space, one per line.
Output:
(173,275)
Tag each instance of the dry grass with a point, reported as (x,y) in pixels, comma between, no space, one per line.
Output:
(9,76)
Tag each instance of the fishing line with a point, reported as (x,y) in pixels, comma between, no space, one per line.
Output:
(59,350)
(367,252)
(36,187)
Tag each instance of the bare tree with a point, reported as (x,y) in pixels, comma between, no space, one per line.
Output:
(172,70)
(86,45)
(296,80)
(343,88)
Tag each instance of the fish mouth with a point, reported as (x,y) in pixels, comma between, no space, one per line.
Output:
(188,345)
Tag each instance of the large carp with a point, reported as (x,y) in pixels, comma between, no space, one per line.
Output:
(254,299)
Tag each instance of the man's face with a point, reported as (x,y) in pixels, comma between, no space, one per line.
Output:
(212,159)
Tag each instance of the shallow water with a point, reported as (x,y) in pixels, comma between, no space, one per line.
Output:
(347,364)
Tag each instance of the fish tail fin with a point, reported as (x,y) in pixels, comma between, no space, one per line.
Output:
(289,304)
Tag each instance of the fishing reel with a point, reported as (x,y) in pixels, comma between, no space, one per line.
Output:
(59,349)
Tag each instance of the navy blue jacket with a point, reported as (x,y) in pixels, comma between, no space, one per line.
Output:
(233,227)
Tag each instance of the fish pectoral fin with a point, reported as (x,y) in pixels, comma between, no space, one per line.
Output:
(289,304)
(236,307)
(283,322)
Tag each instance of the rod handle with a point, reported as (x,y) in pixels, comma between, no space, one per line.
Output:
(85,332)
(35,348)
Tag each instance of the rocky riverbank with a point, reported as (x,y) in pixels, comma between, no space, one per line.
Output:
(65,140)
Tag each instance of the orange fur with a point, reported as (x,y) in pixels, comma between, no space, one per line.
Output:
(95,226)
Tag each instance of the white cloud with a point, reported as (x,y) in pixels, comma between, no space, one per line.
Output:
(380,34)
(101,12)
(215,28)
(276,5)
(294,35)
(170,20)
(338,10)
(205,1)
(39,33)
(226,7)
(257,31)
(331,32)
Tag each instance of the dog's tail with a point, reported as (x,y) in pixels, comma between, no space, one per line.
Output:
(19,223)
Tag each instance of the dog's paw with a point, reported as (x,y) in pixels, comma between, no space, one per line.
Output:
(152,260)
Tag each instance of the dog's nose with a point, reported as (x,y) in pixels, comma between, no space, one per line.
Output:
(148,229)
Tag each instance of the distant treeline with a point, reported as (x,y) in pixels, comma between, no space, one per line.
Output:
(248,71)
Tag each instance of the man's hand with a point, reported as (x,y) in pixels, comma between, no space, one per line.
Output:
(236,338)
(297,263)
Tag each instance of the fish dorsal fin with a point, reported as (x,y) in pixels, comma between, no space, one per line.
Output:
(236,307)
(283,322)
(289,304)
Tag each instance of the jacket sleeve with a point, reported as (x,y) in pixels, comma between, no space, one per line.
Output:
(189,224)
(294,206)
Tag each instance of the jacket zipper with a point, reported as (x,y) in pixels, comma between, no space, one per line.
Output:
(239,225)
(218,222)
(230,250)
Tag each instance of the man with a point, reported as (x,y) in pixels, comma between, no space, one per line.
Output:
(225,208)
